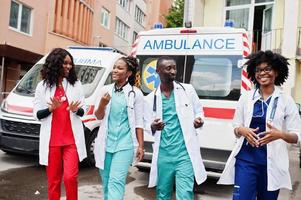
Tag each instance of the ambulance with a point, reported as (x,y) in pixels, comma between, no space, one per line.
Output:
(211,59)
(19,131)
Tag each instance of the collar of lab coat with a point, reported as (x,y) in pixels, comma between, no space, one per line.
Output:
(256,95)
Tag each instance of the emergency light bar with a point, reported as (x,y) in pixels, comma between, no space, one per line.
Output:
(188,31)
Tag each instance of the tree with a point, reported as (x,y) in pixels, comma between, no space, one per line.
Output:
(175,16)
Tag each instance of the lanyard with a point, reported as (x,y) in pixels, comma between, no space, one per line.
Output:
(272,115)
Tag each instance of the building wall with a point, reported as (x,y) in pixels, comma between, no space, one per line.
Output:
(213,12)
(156,12)
(34,42)
(101,34)
(124,45)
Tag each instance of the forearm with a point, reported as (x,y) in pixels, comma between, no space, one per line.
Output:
(100,112)
(289,137)
(41,114)
(140,138)
(80,112)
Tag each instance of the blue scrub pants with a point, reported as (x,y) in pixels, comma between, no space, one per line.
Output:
(172,170)
(114,174)
(251,182)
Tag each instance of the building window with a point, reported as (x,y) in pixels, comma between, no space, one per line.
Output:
(121,29)
(135,35)
(139,15)
(20,17)
(105,18)
(125,4)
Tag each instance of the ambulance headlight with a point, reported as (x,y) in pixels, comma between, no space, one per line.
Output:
(4,106)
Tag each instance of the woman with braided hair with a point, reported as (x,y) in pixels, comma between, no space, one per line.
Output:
(265,120)
(120,137)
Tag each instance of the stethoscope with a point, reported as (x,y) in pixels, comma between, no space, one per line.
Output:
(272,114)
(155,97)
(130,93)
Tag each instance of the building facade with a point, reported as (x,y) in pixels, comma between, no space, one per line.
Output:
(29,29)
(271,24)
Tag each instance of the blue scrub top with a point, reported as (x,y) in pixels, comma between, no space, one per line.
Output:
(172,144)
(254,154)
(119,131)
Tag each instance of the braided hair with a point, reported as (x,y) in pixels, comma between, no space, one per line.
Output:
(276,61)
(52,69)
(132,65)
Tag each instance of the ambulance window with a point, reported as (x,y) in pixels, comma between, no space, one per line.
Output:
(214,77)
(149,78)
(29,82)
(89,77)
(109,79)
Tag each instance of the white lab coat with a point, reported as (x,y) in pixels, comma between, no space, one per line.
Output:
(134,102)
(188,108)
(286,118)
(42,97)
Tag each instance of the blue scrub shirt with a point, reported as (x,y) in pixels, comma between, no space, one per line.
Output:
(119,131)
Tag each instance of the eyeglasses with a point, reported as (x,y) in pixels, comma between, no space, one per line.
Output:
(267,69)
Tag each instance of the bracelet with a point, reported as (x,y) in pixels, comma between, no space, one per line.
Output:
(141,149)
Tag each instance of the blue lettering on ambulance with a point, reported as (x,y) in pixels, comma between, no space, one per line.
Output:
(178,47)
(148,44)
(183,44)
(197,44)
(88,61)
(168,44)
(217,46)
(208,43)
(230,43)
(158,45)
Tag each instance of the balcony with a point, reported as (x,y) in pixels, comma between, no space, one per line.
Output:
(267,40)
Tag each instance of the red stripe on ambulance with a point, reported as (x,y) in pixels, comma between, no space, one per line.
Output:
(219,113)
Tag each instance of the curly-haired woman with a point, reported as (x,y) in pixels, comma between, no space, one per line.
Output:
(120,136)
(264,122)
(58,104)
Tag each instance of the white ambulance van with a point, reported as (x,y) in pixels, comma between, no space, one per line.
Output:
(211,60)
(19,132)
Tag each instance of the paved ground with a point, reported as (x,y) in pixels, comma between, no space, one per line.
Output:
(22,179)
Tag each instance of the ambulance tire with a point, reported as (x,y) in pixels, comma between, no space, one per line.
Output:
(90,141)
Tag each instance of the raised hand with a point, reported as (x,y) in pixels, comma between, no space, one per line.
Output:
(270,135)
(74,106)
(55,103)
(105,99)
(250,135)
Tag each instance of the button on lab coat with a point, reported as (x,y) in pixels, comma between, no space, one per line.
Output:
(188,108)
(286,119)
(42,97)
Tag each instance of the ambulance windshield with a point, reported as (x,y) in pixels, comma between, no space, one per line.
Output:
(88,75)
(213,77)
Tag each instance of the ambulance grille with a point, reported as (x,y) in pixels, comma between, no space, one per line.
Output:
(20,127)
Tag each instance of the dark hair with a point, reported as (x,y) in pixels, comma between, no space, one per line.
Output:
(52,69)
(276,61)
(162,58)
(132,66)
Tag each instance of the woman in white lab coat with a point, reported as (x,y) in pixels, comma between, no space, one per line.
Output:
(120,137)
(265,121)
(58,104)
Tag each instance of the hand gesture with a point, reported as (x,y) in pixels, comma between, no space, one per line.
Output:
(55,103)
(74,106)
(139,153)
(157,125)
(250,135)
(198,122)
(271,135)
(105,99)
